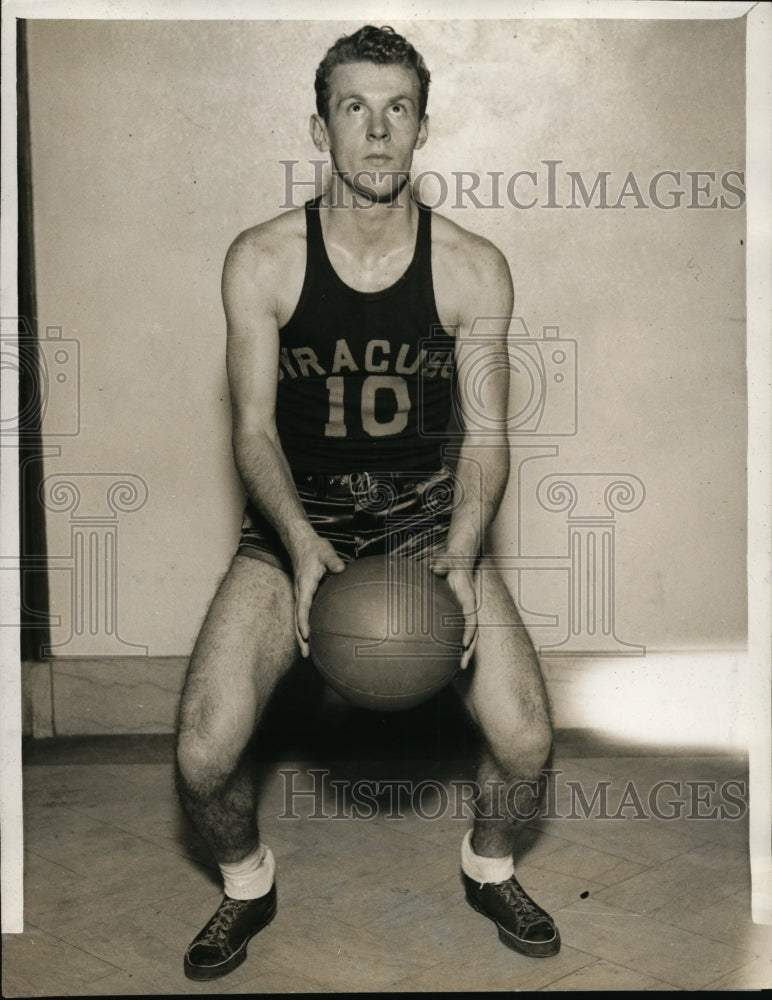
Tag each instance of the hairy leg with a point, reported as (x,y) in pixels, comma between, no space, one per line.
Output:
(504,691)
(246,644)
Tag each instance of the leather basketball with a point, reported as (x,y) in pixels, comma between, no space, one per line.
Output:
(386,633)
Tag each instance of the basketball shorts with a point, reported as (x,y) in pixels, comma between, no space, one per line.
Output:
(363,514)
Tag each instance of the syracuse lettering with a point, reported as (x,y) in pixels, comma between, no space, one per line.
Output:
(376,356)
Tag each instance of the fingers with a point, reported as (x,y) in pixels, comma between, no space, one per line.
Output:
(470,642)
(334,563)
(305,649)
(469,639)
(462,584)
(302,629)
(307,577)
(439,567)
(306,582)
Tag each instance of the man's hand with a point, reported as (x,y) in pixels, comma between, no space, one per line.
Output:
(314,558)
(461,582)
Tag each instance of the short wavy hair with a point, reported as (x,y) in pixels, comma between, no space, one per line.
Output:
(382,46)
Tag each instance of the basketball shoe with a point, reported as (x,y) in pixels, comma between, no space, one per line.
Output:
(221,946)
(523,925)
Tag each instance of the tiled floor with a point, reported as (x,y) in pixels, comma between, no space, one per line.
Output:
(117,884)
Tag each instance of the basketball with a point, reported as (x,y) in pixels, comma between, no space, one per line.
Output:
(386,633)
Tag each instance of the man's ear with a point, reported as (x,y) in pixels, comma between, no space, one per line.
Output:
(423,132)
(318,130)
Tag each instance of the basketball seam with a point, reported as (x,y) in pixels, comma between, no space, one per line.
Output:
(395,640)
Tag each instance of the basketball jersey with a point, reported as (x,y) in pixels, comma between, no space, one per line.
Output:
(365,378)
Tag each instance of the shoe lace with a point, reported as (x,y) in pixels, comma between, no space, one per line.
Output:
(222,921)
(525,908)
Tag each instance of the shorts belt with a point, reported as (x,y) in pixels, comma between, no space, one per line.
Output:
(355,484)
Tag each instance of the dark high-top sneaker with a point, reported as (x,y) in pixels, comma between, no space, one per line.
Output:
(523,925)
(222,944)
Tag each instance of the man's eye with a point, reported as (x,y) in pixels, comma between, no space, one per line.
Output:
(397,109)
(355,108)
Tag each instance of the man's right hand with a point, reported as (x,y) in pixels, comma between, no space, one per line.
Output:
(312,560)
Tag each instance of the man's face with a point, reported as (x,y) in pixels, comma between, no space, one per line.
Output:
(373,126)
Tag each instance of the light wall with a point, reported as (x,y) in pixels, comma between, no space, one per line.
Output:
(155,143)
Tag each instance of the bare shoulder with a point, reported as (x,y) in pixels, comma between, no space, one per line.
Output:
(469,271)
(459,246)
(264,269)
(268,244)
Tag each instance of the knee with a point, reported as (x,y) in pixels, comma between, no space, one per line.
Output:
(190,759)
(202,765)
(212,734)
(529,750)
(538,746)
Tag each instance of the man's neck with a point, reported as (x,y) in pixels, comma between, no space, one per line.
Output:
(351,218)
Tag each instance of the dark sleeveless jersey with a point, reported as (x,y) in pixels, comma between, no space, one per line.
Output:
(365,378)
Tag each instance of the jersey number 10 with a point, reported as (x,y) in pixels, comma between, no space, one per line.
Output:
(373,384)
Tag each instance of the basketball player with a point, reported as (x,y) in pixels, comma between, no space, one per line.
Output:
(346,320)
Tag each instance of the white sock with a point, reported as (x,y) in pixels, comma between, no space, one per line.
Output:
(481,869)
(251,877)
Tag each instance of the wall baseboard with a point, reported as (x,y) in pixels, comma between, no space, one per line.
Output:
(85,697)
(686,698)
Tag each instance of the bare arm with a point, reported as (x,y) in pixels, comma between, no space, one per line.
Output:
(483,466)
(249,288)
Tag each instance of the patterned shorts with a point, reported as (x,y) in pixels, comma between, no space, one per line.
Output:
(363,514)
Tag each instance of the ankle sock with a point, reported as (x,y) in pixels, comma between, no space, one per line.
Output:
(251,877)
(481,869)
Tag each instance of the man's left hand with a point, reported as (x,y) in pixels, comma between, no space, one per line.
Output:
(461,582)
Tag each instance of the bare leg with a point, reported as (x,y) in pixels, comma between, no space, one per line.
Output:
(504,692)
(246,644)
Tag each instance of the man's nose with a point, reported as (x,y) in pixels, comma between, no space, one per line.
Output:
(377,129)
